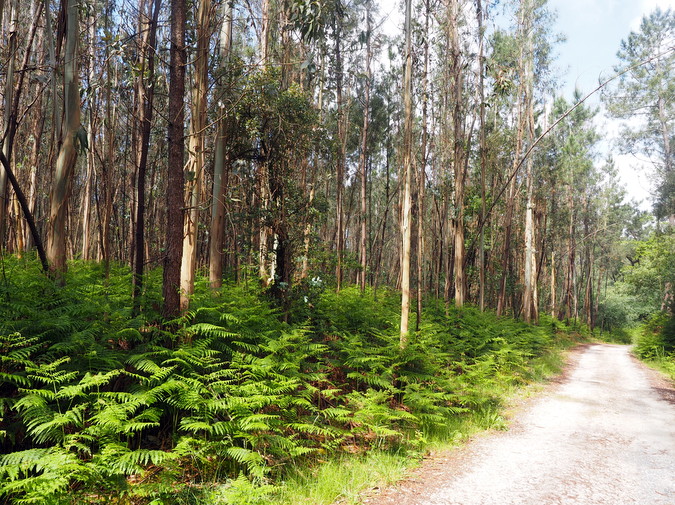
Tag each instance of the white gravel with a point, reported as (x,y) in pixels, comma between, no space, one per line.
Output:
(604,437)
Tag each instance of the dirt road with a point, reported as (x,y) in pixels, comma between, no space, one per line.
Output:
(605,436)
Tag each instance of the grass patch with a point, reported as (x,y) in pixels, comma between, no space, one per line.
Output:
(665,365)
(343,479)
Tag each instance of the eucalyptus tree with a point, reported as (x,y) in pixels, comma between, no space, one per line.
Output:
(263,176)
(340,162)
(408,168)
(196,150)
(576,181)
(480,14)
(11,29)
(461,136)
(217,226)
(72,140)
(424,158)
(363,156)
(92,127)
(524,59)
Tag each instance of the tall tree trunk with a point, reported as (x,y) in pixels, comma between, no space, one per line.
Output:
(522,123)
(340,162)
(264,227)
(8,104)
(106,185)
(422,173)
(483,156)
(91,136)
(145,94)
(363,246)
(217,234)
(65,163)
(407,177)
(37,126)
(530,313)
(196,154)
(553,298)
(458,151)
(312,191)
(174,193)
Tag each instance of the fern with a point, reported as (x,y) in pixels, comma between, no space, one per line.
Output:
(34,475)
(115,405)
(251,460)
(118,459)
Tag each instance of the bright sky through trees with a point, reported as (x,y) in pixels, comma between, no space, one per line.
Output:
(593,30)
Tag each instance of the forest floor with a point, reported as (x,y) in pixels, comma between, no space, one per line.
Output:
(602,434)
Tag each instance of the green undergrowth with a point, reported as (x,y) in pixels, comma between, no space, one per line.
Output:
(235,402)
(655,343)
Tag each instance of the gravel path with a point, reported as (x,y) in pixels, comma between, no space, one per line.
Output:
(605,436)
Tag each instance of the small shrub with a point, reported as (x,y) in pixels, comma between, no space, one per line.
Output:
(652,343)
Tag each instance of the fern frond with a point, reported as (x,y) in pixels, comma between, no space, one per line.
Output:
(51,426)
(35,476)
(210,330)
(256,421)
(337,413)
(14,378)
(253,461)
(311,429)
(86,384)
(128,462)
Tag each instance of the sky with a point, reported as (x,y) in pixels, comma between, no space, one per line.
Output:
(594,31)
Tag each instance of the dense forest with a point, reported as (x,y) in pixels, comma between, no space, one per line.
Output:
(242,236)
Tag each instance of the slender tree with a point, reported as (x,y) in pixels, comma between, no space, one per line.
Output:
(407,177)
(342,119)
(217,229)
(145,93)
(91,134)
(459,149)
(71,142)
(530,310)
(422,172)
(196,152)
(8,104)
(176,152)
(363,156)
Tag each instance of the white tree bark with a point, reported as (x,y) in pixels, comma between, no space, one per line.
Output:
(196,155)
(407,179)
